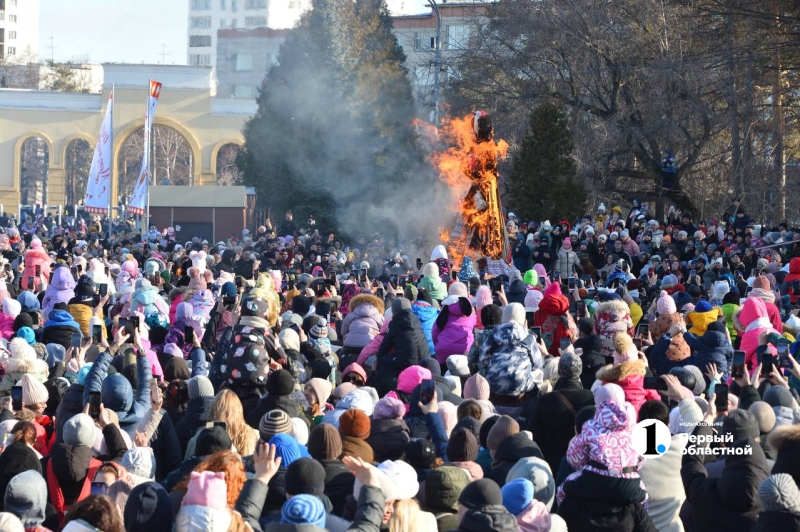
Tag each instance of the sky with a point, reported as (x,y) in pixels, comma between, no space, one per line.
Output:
(114,31)
(126,31)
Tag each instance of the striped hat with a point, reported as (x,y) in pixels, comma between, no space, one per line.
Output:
(274,422)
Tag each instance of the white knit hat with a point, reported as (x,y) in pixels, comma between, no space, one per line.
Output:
(33,391)
(20,349)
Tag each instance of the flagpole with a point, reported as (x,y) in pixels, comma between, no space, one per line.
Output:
(110,184)
(149,125)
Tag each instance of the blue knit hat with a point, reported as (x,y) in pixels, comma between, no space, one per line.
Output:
(287,448)
(26,333)
(28,301)
(82,373)
(517,495)
(303,510)
(228,290)
(702,306)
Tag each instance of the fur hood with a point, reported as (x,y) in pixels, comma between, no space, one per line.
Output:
(333,301)
(22,366)
(611,373)
(784,436)
(367,299)
(616,310)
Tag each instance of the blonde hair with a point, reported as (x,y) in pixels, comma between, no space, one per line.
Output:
(228,408)
(550,370)
(407,517)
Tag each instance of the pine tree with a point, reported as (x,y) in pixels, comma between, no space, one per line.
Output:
(332,135)
(543,182)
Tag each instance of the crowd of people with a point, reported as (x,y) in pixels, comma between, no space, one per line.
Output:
(284,379)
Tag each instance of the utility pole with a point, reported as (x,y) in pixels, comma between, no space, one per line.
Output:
(437,61)
(52,50)
(163,54)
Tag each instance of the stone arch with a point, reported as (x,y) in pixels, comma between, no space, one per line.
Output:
(77,161)
(31,174)
(122,136)
(215,155)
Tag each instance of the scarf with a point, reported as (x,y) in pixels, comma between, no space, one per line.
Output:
(759,323)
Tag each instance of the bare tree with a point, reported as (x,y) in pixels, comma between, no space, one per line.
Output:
(77,164)
(228,173)
(34,164)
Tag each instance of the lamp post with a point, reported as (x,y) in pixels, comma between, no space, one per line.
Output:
(437,61)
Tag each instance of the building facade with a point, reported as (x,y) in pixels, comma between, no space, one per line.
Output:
(243,59)
(206,17)
(19,30)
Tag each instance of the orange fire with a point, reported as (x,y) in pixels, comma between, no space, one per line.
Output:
(469,168)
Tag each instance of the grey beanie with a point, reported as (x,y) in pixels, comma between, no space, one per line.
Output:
(79,430)
(742,424)
(400,304)
(778,396)
(140,461)
(26,497)
(779,492)
(200,386)
(570,366)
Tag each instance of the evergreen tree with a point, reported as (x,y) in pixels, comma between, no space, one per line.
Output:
(543,182)
(332,135)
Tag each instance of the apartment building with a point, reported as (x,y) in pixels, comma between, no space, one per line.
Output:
(19,30)
(243,59)
(207,17)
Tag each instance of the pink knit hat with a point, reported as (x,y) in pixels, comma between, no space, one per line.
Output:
(389,408)
(666,305)
(207,489)
(476,387)
(410,377)
(609,392)
(449,415)
(131,267)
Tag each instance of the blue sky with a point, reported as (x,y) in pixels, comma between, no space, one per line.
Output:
(99,31)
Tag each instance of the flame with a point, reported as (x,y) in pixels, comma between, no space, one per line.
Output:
(469,168)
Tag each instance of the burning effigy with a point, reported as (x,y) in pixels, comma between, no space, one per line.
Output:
(469,167)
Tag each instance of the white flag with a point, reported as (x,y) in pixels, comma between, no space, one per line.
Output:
(98,186)
(137,205)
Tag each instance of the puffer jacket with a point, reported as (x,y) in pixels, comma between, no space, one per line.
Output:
(60,328)
(701,320)
(6,326)
(751,320)
(713,346)
(567,262)
(83,316)
(194,419)
(364,320)
(149,302)
(488,519)
(511,360)
(554,319)
(427,315)
(404,343)
(452,333)
(116,392)
(612,318)
(630,377)
(432,283)
(15,368)
(36,256)
(60,290)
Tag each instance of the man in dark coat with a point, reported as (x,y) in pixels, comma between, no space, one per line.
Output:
(553,421)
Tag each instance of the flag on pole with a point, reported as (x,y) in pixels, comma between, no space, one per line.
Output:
(98,186)
(137,204)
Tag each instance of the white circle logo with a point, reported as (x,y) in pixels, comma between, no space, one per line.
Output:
(651,438)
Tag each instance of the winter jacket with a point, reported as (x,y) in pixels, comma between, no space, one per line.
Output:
(517,292)
(751,320)
(364,320)
(427,315)
(612,318)
(194,419)
(701,320)
(71,404)
(272,402)
(588,515)
(71,472)
(116,391)
(730,503)
(82,314)
(567,262)
(512,361)
(676,349)
(166,448)
(60,290)
(149,302)
(36,256)
(553,421)
(714,347)
(244,359)
(338,483)
(509,452)
(404,343)
(665,491)
(15,368)
(60,328)
(6,326)
(777,520)
(432,283)
(727,310)
(452,333)
(630,377)
(488,519)
(388,439)
(554,319)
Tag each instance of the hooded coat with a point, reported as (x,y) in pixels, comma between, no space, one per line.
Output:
(432,283)
(612,318)
(403,344)
(117,393)
(554,319)
(194,419)
(729,503)
(452,333)
(489,518)
(427,315)
(751,320)
(713,346)
(36,256)
(60,328)
(630,377)
(517,292)
(388,438)
(22,361)
(511,359)
(148,301)
(363,323)
(60,290)
(509,452)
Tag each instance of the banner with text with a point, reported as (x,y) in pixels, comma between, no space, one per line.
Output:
(138,202)
(98,186)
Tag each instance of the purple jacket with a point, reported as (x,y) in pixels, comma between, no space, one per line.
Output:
(60,289)
(363,322)
(455,337)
